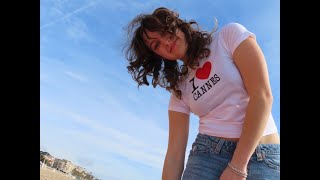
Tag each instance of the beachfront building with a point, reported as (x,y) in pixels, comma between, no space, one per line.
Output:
(46,158)
(68,166)
(63,165)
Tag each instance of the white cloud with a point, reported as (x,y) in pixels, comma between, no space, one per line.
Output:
(75,76)
(75,144)
(129,4)
(118,142)
(57,8)
(131,147)
(78,30)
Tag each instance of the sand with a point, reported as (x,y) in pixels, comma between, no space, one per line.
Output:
(49,174)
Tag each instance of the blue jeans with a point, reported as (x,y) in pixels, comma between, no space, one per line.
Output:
(210,155)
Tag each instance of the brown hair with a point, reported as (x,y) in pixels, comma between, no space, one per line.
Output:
(143,62)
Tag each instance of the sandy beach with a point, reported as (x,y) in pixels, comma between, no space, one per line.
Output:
(49,174)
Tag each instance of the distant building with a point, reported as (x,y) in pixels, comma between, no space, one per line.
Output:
(68,166)
(44,153)
(63,165)
(47,158)
(58,164)
(81,170)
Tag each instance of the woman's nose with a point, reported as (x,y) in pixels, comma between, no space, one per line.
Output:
(167,40)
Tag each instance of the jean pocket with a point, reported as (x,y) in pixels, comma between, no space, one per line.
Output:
(272,160)
(198,148)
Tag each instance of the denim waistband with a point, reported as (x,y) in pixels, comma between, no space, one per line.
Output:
(218,143)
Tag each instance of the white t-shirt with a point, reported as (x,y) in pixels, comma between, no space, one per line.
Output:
(215,91)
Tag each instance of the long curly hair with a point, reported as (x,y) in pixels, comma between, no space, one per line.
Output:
(143,62)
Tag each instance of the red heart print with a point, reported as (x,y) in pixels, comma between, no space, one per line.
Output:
(204,72)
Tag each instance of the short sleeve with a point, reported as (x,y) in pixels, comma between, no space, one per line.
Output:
(178,105)
(233,34)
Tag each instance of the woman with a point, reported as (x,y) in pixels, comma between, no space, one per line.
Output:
(222,78)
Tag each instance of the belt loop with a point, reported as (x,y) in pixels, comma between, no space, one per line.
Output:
(259,154)
(219,146)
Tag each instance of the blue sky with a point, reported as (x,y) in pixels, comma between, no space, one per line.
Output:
(91,111)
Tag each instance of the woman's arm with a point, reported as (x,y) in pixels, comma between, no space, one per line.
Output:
(178,138)
(251,63)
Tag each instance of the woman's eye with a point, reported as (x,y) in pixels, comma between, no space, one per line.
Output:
(157,45)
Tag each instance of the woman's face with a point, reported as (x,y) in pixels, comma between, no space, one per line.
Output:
(167,45)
